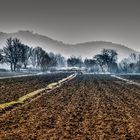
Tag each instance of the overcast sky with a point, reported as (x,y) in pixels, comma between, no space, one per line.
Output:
(74,21)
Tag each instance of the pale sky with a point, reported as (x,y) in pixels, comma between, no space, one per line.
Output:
(75,21)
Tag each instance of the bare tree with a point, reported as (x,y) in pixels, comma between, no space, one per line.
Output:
(25,55)
(123,65)
(74,61)
(45,61)
(89,62)
(108,58)
(53,60)
(1,56)
(40,58)
(60,60)
(9,53)
(100,61)
(15,53)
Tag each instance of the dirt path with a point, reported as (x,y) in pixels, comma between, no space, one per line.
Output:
(88,107)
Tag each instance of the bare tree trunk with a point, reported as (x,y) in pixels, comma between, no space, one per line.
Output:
(25,65)
(11,66)
(14,67)
(102,68)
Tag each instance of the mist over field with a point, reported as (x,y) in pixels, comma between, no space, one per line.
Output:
(27,50)
(85,49)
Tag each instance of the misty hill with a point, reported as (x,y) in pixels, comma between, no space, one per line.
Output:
(87,49)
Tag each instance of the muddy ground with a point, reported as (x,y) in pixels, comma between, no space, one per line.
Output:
(90,107)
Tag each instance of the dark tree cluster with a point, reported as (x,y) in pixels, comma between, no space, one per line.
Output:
(74,61)
(18,56)
(106,61)
(15,53)
(131,64)
(1,56)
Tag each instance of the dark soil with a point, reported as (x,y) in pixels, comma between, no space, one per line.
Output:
(13,88)
(90,107)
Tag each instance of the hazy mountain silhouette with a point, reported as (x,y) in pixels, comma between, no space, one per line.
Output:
(87,49)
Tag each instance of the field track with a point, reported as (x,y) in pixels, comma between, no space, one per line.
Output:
(89,107)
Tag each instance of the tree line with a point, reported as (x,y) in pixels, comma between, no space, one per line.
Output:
(20,56)
(107,61)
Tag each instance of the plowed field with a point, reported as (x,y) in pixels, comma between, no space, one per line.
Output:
(13,88)
(135,78)
(89,107)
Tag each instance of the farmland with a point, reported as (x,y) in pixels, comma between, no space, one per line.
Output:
(87,107)
(13,88)
(135,78)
